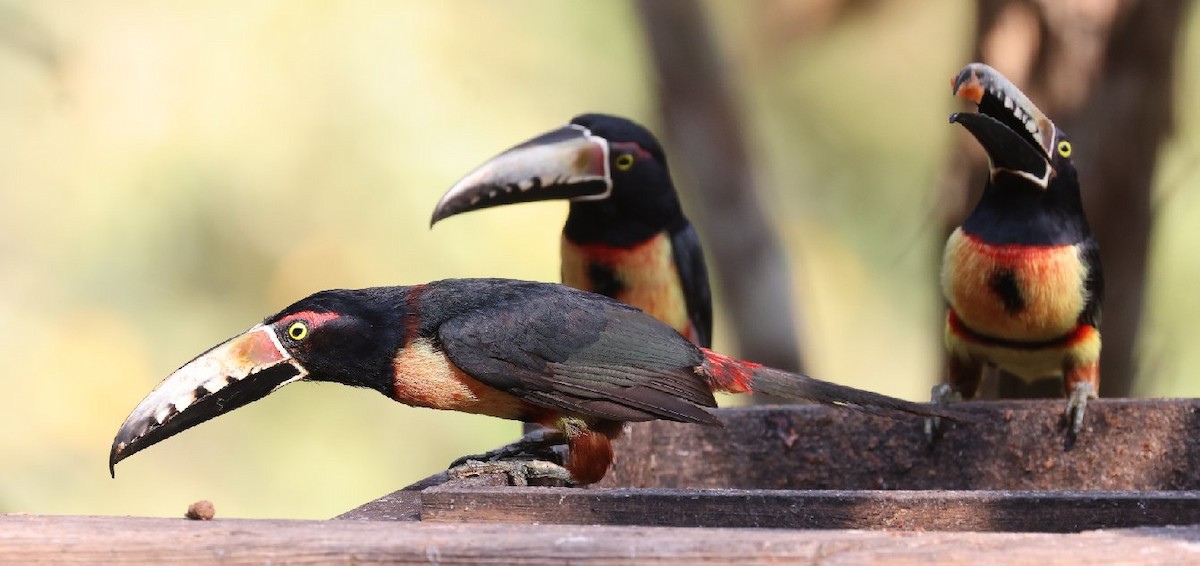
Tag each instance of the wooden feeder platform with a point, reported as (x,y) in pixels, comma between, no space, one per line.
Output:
(1136,463)
(802,483)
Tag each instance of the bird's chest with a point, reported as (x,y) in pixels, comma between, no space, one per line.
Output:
(425,377)
(643,275)
(1024,293)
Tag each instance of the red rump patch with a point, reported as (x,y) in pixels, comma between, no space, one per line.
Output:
(728,374)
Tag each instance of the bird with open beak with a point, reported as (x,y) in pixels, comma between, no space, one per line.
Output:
(1022,274)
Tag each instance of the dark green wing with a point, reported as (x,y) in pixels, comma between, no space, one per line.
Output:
(579,352)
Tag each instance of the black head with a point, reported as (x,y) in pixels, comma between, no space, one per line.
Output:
(341,336)
(345,336)
(1032,195)
(612,170)
(643,201)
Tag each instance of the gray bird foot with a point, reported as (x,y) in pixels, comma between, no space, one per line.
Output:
(941,394)
(544,444)
(519,472)
(1077,404)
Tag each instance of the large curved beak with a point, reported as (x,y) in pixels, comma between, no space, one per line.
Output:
(241,370)
(1016,135)
(567,163)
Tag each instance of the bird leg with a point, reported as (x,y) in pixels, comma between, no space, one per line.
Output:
(962,381)
(534,456)
(1082,383)
(588,445)
(542,444)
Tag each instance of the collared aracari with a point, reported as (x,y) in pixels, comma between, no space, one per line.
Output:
(626,236)
(535,352)
(1022,274)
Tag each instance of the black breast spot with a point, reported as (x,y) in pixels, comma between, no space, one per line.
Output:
(603,280)
(1005,285)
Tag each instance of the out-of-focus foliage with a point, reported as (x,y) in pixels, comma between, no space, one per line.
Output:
(172,173)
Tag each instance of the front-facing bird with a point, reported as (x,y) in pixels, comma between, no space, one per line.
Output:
(1022,274)
(541,353)
(626,236)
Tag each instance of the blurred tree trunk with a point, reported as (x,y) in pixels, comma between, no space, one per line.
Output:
(25,35)
(704,131)
(1104,71)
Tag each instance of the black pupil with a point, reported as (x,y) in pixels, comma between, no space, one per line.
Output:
(297,331)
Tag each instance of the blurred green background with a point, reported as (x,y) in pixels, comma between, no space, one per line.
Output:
(170,173)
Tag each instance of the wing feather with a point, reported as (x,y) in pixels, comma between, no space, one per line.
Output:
(580,352)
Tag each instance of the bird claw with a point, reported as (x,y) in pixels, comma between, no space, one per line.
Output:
(534,456)
(941,394)
(1077,404)
(519,472)
(539,444)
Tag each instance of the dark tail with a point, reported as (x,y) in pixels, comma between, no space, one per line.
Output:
(730,375)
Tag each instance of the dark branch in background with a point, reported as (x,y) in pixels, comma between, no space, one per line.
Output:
(24,35)
(1105,73)
(707,151)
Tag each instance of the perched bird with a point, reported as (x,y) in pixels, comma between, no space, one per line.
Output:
(626,236)
(1022,274)
(535,352)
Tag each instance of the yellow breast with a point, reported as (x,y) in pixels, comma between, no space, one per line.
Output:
(1080,348)
(1025,293)
(643,276)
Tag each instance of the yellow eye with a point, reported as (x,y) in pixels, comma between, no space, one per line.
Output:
(298,330)
(1064,148)
(624,161)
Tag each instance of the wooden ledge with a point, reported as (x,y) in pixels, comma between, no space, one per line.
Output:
(107,540)
(979,511)
(1136,463)
(1125,444)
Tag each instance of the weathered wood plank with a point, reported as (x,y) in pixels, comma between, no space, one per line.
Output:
(1015,446)
(1145,444)
(107,540)
(403,505)
(982,511)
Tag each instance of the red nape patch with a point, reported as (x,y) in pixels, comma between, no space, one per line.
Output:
(727,374)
